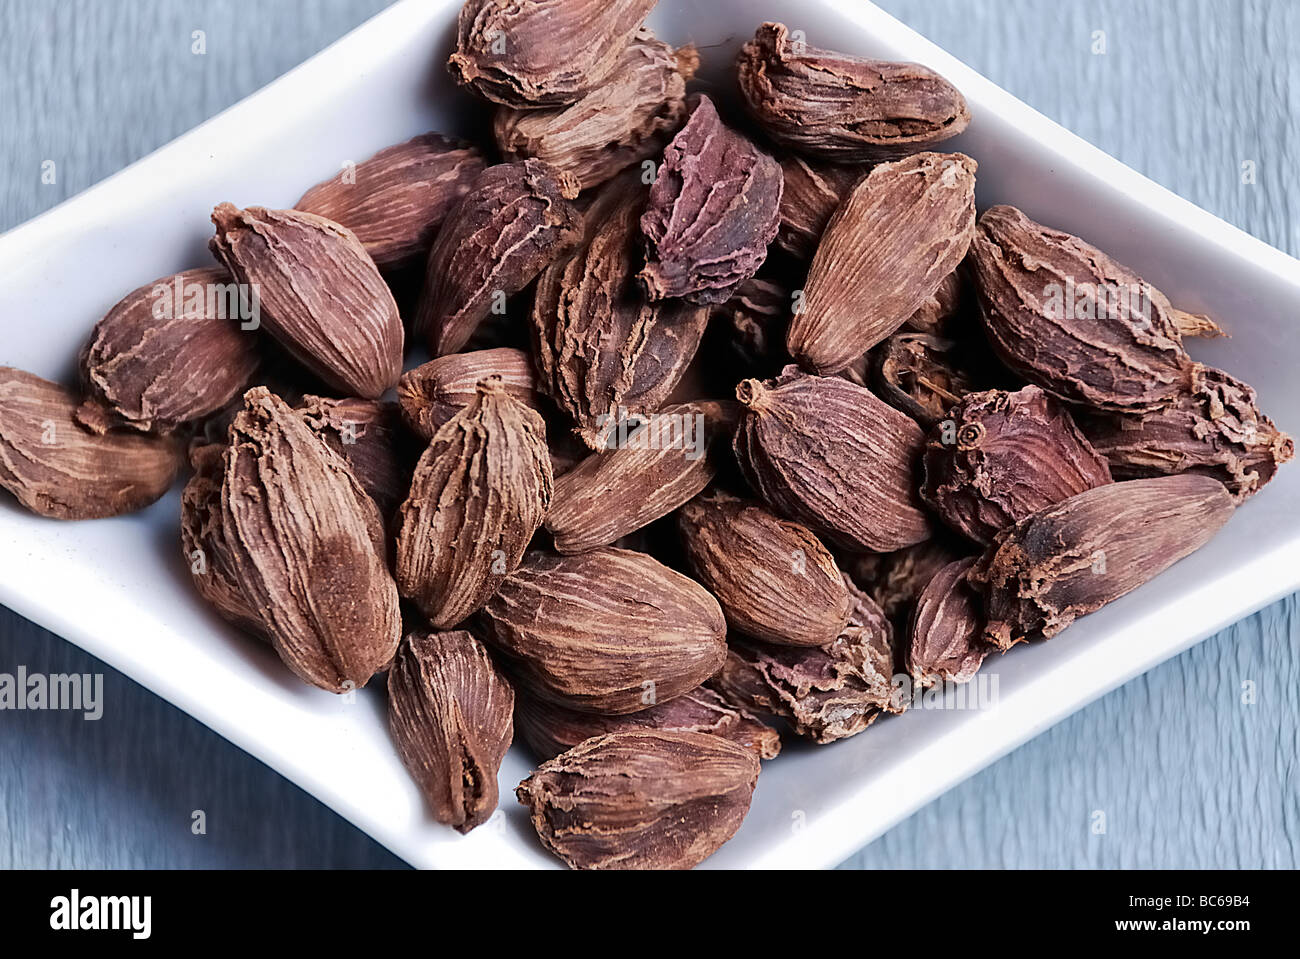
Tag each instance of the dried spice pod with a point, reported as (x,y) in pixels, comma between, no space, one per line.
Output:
(938,314)
(920,375)
(659,466)
(607,631)
(946,643)
(832,106)
(479,493)
(56,468)
(319,294)
(366,433)
(714,208)
(775,581)
(603,352)
(203,542)
(1071,320)
(513,223)
(1215,428)
(643,799)
(1073,558)
(395,201)
(896,580)
(895,239)
(542,53)
(830,455)
(811,194)
(306,546)
(451,715)
(825,693)
(169,353)
(628,118)
(550,730)
(434,392)
(999,457)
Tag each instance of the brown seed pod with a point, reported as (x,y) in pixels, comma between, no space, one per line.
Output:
(479,493)
(999,457)
(811,194)
(1214,428)
(514,222)
(320,294)
(306,546)
(451,715)
(1071,320)
(830,455)
(658,468)
(825,693)
(1073,558)
(366,434)
(396,201)
(56,468)
(603,352)
(608,631)
(775,581)
(898,235)
(550,730)
(833,106)
(203,542)
(946,643)
(628,118)
(169,353)
(434,392)
(644,799)
(713,210)
(542,53)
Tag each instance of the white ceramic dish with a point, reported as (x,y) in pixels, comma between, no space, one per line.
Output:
(117,588)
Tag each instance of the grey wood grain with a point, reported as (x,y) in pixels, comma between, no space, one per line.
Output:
(1184,771)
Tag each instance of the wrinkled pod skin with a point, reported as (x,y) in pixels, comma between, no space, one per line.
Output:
(609,631)
(999,457)
(1073,558)
(396,201)
(479,493)
(832,456)
(714,207)
(56,468)
(643,799)
(434,392)
(1215,428)
(307,548)
(946,642)
(450,712)
(624,121)
(514,222)
(320,294)
(1069,319)
(169,353)
(893,242)
(550,730)
(832,106)
(541,53)
(775,580)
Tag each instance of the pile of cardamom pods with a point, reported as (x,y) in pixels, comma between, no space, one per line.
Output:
(739,423)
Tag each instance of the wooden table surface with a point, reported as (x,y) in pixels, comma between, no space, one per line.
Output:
(1185,772)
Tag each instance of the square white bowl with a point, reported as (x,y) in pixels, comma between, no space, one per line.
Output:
(118,589)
